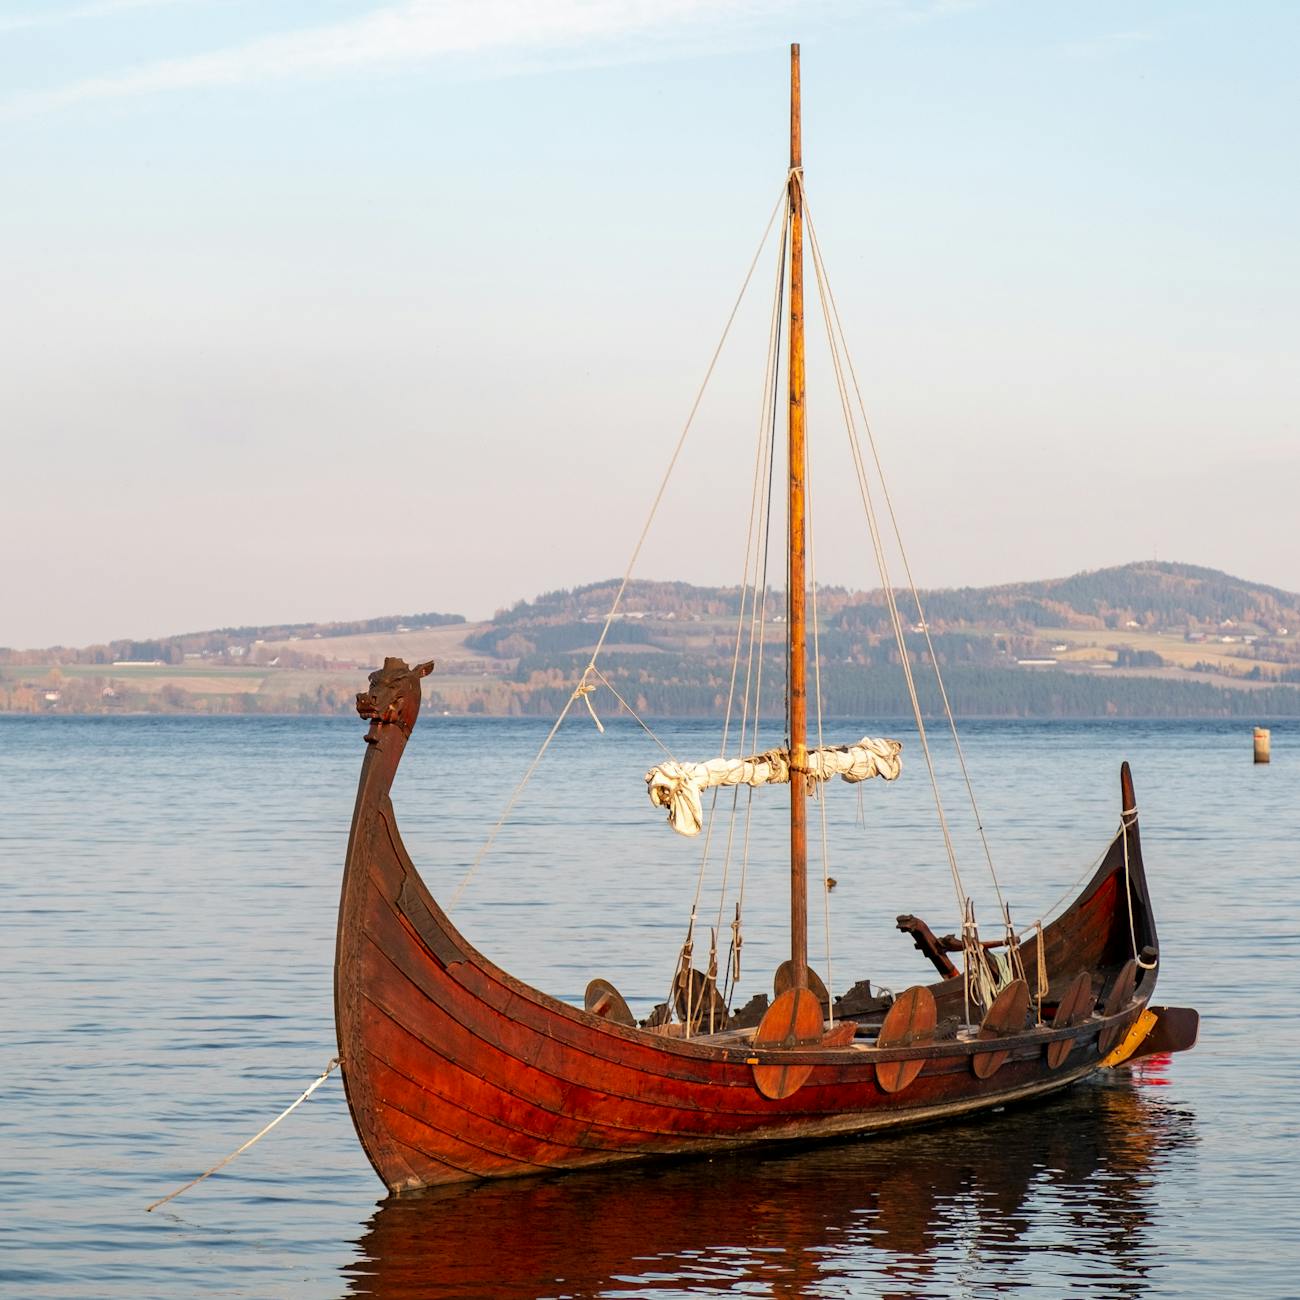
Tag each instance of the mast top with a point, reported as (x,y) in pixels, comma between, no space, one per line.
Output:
(796,142)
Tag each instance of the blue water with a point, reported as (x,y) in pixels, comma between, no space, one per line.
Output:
(167,907)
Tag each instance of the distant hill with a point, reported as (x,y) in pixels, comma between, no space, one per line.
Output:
(1152,593)
(1144,639)
(1147,639)
(222,641)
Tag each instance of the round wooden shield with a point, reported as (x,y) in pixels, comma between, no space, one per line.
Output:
(604,1000)
(1005,1017)
(1121,994)
(784,979)
(793,1020)
(1074,1006)
(908,1023)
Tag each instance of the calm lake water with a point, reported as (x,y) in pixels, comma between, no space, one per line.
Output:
(167,909)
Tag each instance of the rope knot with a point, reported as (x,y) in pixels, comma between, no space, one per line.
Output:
(584,691)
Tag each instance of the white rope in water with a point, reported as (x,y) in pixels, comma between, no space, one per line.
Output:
(631,564)
(221,1164)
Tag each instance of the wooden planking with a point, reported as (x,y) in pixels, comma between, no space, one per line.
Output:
(505,1122)
(455,1069)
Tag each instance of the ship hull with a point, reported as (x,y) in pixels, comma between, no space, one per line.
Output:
(455,1070)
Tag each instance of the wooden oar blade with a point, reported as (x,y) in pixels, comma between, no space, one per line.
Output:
(793,1020)
(1005,1017)
(1075,1006)
(908,1023)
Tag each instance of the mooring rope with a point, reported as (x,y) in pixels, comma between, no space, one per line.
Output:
(221,1164)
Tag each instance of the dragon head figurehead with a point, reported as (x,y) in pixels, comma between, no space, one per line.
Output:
(393,697)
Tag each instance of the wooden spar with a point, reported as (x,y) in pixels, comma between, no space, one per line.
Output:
(796,670)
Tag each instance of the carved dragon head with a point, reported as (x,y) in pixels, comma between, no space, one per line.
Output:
(394,696)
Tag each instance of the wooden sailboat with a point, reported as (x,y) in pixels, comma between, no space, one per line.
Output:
(454,1070)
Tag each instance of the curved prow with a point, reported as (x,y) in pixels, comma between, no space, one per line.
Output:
(1129,843)
(1109,924)
(391,706)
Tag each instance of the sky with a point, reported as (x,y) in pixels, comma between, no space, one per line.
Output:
(331,310)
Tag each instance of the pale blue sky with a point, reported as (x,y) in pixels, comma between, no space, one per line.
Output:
(291,290)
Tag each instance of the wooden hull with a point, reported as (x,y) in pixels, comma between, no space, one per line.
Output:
(454,1070)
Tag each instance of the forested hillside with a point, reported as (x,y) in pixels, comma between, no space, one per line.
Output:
(1140,640)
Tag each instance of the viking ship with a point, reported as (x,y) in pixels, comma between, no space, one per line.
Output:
(455,1070)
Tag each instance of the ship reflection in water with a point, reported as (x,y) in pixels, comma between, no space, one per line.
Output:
(1063,1196)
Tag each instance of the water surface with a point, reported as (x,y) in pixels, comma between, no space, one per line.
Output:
(167,906)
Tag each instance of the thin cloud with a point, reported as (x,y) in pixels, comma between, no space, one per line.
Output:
(53,17)
(414,31)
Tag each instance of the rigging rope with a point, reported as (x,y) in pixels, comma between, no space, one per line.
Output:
(817,694)
(754,531)
(1128,884)
(636,717)
(782,199)
(907,567)
(883,566)
(755,542)
(758,553)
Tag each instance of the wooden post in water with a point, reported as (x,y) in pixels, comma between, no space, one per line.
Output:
(1262,738)
(796,665)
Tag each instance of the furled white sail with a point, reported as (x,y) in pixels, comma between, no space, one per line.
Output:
(678,786)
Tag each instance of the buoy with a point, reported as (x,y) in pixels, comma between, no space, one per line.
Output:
(1261,744)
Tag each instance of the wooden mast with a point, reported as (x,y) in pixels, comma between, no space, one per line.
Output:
(796,670)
